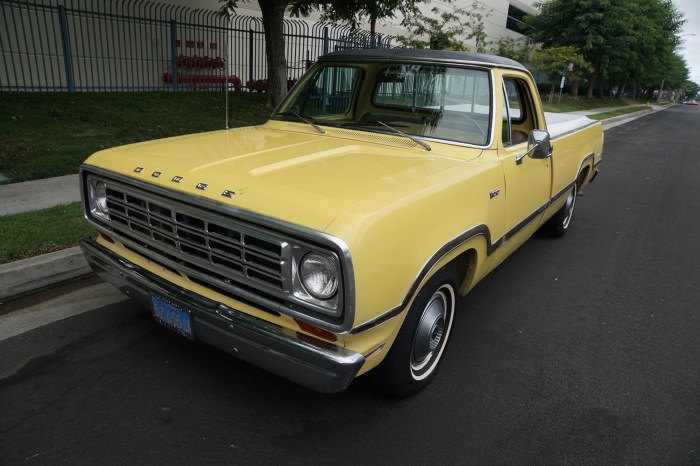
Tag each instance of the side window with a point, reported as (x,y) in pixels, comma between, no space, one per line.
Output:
(518,111)
(514,100)
(505,119)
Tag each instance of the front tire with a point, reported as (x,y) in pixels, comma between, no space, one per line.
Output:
(414,357)
(558,225)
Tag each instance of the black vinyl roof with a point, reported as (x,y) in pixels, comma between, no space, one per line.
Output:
(423,55)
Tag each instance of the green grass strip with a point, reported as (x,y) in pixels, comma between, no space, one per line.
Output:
(33,233)
(624,111)
(575,104)
(49,134)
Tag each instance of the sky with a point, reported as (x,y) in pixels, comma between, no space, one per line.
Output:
(691,44)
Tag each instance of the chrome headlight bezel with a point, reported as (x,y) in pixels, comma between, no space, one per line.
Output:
(97,198)
(328,303)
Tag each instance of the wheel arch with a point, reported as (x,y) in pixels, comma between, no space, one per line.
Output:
(469,259)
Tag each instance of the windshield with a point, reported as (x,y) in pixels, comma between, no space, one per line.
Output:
(426,101)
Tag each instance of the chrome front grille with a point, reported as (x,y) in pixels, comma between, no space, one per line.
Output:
(216,247)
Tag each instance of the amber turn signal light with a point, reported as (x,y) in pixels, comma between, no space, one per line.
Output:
(313,330)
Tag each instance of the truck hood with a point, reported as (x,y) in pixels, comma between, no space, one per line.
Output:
(286,171)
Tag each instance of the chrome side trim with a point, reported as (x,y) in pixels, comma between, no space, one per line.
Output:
(308,361)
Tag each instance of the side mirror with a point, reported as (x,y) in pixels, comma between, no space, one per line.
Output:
(538,143)
(538,146)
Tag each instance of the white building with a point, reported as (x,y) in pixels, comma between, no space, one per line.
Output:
(502,21)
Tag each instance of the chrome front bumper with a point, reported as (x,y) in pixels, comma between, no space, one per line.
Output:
(305,360)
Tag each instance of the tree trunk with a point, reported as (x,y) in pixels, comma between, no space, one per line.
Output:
(373,32)
(591,85)
(273,22)
(621,90)
(611,86)
(574,88)
(551,93)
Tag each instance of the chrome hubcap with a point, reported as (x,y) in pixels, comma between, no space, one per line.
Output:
(569,208)
(430,331)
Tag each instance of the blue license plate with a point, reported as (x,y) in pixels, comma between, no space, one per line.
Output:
(172,316)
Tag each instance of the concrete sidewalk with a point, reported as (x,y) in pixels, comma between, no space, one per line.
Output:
(40,194)
(26,276)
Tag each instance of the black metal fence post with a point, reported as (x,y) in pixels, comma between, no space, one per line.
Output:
(173,52)
(65,41)
(251,56)
(326,40)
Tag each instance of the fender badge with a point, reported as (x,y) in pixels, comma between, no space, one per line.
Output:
(138,169)
(177,179)
(156,174)
(202,186)
(494,193)
(228,193)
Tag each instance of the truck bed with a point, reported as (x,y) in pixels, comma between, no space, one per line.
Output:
(559,124)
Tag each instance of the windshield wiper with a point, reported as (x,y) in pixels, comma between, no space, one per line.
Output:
(421,143)
(305,120)
(371,123)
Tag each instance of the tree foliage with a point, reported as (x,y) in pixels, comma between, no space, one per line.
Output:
(357,12)
(553,60)
(519,49)
(622,39)
(690,89)
(441,31)
(446,29)
(273,12)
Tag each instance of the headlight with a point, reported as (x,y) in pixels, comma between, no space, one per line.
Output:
(98,198)
(319,275)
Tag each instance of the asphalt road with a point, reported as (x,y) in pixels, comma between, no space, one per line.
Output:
(581,350)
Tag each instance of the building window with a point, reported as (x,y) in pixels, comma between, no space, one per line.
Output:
(515,19)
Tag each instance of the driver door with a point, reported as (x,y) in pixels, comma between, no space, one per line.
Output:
(527,180)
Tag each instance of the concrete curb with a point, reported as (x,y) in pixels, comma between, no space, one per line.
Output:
(35,273)
(610,123)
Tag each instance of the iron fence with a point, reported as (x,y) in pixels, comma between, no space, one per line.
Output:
(140,45)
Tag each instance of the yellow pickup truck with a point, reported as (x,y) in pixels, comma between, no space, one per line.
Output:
(337,238)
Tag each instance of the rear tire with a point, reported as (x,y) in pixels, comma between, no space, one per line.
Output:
(558,225)
(414,357)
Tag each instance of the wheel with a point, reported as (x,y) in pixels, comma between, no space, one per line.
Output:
(558,225)
(416,353)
